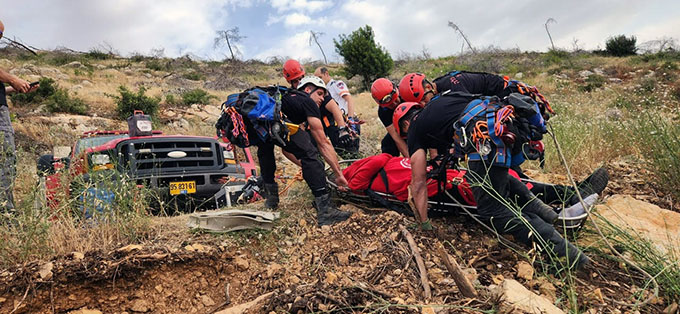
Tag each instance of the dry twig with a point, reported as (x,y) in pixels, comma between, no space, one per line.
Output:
(419,261)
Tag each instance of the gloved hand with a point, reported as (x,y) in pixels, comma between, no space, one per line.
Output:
(354,124)
(344,138)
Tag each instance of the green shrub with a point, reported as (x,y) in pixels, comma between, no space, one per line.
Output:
(129,101)
(60,101)
(171,100)
(657,138)
(98,54)
(363,56)
(555,56)
(55,98)
(155,64)
(593,82)
(194,76)
(621,45)
(196,96)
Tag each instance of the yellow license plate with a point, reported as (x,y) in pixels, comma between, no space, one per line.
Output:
(183,187)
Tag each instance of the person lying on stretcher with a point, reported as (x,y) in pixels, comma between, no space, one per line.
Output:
(392,175)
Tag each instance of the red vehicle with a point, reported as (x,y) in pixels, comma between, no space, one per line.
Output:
(185,171)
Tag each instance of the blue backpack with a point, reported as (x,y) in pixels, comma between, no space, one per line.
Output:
(264,121)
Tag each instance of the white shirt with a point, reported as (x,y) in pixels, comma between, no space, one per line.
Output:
(337,89)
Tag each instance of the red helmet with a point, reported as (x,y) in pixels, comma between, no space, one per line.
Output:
(292,70)
(385,93)
(411,87)
(401,111)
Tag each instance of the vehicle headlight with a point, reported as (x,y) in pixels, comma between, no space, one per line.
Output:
(101,162)
(228,156)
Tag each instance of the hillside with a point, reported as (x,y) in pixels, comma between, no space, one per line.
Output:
(620,113)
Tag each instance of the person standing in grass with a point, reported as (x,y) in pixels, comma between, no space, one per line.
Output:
(340,93)
(7,148)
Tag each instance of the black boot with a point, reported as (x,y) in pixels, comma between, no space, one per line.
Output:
(544,211)
(326,213)
(595,183)
(271,191)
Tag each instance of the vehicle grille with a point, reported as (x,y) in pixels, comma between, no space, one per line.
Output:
(150,156)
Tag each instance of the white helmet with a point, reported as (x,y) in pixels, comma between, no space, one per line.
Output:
(311,79)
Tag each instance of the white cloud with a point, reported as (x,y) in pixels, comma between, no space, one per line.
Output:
(301,5)
(296,47)
(297,19)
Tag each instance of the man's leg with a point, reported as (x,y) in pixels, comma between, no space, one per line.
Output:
(550,240)
(313,173)
(387,145)
(265,155)
(8,171)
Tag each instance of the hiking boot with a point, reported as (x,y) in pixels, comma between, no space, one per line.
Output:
(326,213)
(544,211)
(577,209)
(595,183)
(271,193)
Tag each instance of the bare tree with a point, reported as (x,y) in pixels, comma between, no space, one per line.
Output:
(231,37)
(315,36)
(457,29)
(550,20)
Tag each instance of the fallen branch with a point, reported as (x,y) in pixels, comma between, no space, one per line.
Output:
(419,261)
(242,308)
(20,45)
(454,269)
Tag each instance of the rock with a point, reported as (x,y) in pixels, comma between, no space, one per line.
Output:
(158,288)
(562,76)
(615,80)
(128,72)
(241,263)
(130,248)
(2,300)
(598,71)
(45,271)
(207,300)
(77,256)
(427,310)
(519,75)
(76,88)
(517,298)
(548,290)
(525,271)
(100,66)
(212,110)
(613,114)
(139,306)
(20,72)
(660,226)
(31,67)
(6,64)
(86,83)
(343,258)
(330,278)
(85,310)
(273,269)
(585,73)
(75,65)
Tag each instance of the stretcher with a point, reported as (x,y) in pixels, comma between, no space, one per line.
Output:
(447,203)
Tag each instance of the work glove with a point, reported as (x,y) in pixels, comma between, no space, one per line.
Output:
(344,138)
(355,124)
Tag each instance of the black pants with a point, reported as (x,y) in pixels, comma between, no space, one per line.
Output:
(300,145)
(491,185)
(548,193)
(388,145)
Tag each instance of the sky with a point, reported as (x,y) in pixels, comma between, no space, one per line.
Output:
(281,28)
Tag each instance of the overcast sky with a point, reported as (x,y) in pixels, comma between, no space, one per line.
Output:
(281,27)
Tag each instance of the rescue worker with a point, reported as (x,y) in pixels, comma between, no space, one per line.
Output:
(492,187)
(339,134)
(386,95)
(331,116)
(416,88)
(340,93)
(7,148)
(301,108)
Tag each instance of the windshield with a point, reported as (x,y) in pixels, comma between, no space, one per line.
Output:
(85,143)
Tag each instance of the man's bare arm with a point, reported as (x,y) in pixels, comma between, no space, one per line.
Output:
(333,108)
(401,144)
(419,182)
(18,84)
(350,104)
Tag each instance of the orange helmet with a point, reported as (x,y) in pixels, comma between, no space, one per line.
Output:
(385,93)
(400,112)
(292,70)
(412,87)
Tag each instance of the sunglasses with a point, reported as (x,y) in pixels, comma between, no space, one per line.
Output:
(387,99)
(1,34)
